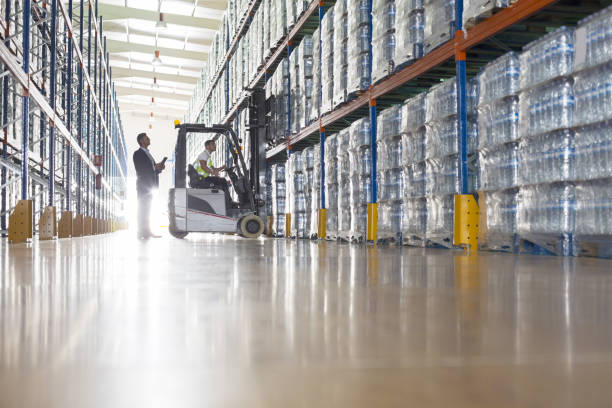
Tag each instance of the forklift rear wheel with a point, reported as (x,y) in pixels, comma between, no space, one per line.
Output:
(251,226)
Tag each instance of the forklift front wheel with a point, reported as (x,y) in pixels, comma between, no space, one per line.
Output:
(177,234)
(251,226)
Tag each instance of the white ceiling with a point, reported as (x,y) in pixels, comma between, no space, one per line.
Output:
(132,38)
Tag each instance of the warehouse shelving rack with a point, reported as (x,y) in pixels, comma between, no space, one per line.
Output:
(54,62)
(461,57)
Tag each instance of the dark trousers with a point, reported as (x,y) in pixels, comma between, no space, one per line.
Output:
(144,213)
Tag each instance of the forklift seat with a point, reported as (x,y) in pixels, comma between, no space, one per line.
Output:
(197,181)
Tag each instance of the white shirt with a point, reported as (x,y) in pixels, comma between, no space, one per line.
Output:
(149,156)
(204,156)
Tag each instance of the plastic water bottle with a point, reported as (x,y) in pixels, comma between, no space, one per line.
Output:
(442,100)
(414,112)
(546,108)
(548,57)
(499,78)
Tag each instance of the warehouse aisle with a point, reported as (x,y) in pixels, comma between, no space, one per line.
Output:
(216,321)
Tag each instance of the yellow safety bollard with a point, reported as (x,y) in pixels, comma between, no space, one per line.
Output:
(87,221)
(466,222)
(47,225)
(78,226)
(64,227)
(20,222)
(269,225)
(372,234)
(322,227)
(287,225)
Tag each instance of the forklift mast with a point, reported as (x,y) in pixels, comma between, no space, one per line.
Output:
(257,135)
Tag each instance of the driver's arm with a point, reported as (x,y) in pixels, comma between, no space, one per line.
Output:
(221,168)
(207,169)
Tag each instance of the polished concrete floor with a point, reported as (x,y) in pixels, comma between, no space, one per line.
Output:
(218,321)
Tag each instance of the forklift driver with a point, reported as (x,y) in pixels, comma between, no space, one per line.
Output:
(205,169)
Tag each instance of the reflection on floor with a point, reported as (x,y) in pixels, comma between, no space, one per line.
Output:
(218,321)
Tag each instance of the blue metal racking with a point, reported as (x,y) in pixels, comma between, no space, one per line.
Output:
(75,133)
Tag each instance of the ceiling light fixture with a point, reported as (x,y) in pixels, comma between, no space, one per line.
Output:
(155,85)
(152,101)
(152,118)
(161,23)
(156,59)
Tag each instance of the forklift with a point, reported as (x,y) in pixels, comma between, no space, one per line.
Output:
(199,207)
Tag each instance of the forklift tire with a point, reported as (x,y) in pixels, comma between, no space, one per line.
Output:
(177,234)
(251,226)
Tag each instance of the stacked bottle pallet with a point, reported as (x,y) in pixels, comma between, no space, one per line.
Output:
(298,189)
(358,47)
(593,135)
(315,92)
(344,188)
(443,161)
(360,177)
(315,191)
(414,212)
(269,199)
(277,92)
(308,162)
(294,10)
(280,18)
(439,23)
(475,11)
(410,27)
(331,185)
(498,118)
(327,62)
(546,202)
(340,52)
(279,195)
(301,84)
(383,39)
(389,173)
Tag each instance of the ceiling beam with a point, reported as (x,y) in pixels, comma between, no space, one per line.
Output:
(122,91)
(109,12)
(119,72)
(211,4)
(116,27)
(132,107)
(114,47)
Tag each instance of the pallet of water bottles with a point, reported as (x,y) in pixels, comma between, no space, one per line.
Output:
(476,11)
(598,246)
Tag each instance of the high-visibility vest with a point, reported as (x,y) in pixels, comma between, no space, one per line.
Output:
(199,168)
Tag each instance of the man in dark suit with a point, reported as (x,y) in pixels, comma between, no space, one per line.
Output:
(147,180)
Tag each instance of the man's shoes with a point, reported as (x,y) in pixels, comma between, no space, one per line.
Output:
(148,235)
